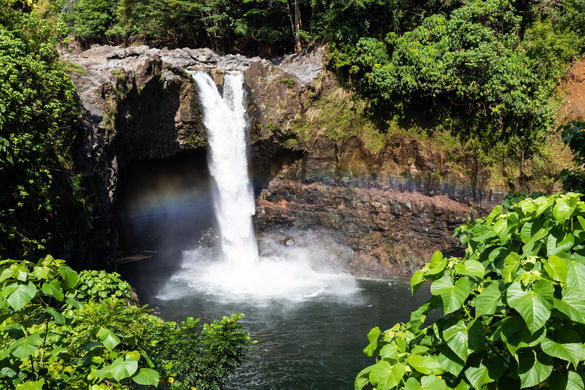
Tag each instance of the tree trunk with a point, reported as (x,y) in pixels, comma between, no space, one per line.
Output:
(298,46)
(295,24)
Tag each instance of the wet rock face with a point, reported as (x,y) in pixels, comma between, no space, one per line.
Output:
(392,233)
(393,207)
(140,103)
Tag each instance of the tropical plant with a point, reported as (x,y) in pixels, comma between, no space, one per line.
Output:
(54,336)
(513,307)
(99,285)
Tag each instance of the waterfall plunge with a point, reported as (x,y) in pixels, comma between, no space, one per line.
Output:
(288,274)
(225,121)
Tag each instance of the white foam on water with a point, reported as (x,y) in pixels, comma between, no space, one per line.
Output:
(291,275)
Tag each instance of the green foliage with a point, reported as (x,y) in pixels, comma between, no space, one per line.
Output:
(470,62)
(57,334)
(198,355)
(90,19)
(513,309)
(39,201)
(573,134)
(98,285)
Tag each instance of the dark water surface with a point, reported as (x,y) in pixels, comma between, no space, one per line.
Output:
(314,344)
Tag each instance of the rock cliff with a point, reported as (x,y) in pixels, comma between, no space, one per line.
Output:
(317,163)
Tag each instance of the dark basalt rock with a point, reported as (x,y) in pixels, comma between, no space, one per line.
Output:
(394,207)
(391,232)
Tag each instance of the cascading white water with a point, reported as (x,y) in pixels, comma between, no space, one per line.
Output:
(290,274)
(225,121)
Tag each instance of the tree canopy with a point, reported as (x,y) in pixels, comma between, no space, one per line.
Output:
(38,108)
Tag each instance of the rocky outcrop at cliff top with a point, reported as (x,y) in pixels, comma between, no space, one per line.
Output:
(140,103)
(393,204)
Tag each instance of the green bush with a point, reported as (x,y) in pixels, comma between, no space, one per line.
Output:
(513,308)
(98,285)
(54,335)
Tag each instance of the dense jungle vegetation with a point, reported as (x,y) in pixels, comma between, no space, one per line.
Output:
(513,308)
(486,71)
(478,76)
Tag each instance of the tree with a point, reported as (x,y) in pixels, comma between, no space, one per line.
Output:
(39,201)
(467,69)
(90,19)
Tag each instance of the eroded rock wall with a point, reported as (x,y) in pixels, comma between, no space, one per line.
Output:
(316,161)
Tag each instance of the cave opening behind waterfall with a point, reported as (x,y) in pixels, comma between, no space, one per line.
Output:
(163,207)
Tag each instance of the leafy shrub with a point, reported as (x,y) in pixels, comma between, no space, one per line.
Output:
(198,355)
(54,336)
(513,307)
(98,285)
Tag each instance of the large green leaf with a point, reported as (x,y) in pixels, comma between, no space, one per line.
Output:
(564,209)
(576,275)
(31,385)
(362,379)
(500,227)
(556,268)
(527,231)
(418,317)
(449,361)
(373,336)
(57,317)
(53,289)
(511,264)
(574,381)
(543,203)
(570,352)
(386,376)
(533,369)
(478,376)
(429,382)
(417,280)
(21,296)
(146,377)
(531,306)
(515,334)
(457,339)
(572,304)
(528,249)
(452,295)
(26,346)
(108,338)
(438,264)
(425,364)
(69,276)
(487,301)
(470,268)
(123,368)
(481,233)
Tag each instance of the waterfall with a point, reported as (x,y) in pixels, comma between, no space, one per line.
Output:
(225,121)
(293,274)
